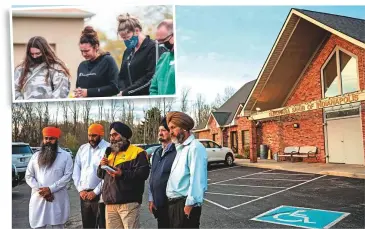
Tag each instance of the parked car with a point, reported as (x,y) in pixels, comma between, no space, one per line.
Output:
(15,176)
(21,154)
(69,151)
(149,148)
(35,149)
(217,153)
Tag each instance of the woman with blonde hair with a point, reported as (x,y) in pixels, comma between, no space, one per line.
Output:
(41,75)
(139,58)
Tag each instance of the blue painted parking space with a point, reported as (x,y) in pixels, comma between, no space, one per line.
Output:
(302,217)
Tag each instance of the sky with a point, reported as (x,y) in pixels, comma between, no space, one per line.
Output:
(218,46)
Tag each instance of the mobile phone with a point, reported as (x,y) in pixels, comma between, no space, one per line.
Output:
(108,168)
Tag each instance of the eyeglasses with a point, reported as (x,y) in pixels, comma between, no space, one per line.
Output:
(114,135)
(49,138)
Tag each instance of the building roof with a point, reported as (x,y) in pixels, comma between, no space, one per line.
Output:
(229,108)
(352,27)
(52,13)
(221,117)
(225,114)
(300,38)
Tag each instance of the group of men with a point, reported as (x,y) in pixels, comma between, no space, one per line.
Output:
(110,178)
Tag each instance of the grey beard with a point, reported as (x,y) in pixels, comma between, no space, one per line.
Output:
(118,146)
(47,155)
(179,138)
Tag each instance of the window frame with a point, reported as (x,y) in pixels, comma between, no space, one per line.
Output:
(336,52)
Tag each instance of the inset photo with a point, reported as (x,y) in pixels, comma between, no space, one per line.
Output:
(70,53)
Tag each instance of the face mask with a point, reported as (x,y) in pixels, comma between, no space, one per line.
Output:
(131,43)
(37,60)
(168,45)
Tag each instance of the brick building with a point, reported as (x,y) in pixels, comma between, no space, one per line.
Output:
(310,92)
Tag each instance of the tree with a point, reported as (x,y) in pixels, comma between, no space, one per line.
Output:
(74,108)
(64,106)
(228,92)
(201,110)
(86,112)
(100,109)
(184,99)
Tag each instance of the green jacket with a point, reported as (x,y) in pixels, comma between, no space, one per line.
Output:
(163,82)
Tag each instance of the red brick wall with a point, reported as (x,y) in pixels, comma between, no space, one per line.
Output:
(208,134)
(281,133)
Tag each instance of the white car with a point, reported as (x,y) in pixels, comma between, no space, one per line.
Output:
(21,154)
(217,153)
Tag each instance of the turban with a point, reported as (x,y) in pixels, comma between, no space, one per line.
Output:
(164,124)
(51,132)
(97,129)
(180,119)
(122,129)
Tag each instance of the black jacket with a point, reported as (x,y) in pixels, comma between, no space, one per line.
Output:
(99,76)
(160,172)
(138,68)
(129,187)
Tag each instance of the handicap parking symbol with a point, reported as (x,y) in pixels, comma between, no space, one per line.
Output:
(302,217)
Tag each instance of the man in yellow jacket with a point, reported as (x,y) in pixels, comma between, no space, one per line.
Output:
(124,168)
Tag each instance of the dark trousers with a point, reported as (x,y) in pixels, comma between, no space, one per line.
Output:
(161,214)
(89,212)
(177,217)
(101,216)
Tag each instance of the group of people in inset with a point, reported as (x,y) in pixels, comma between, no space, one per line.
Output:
(147,66)
(110,178)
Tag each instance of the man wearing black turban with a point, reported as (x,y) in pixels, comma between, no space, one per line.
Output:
(161,164)
(123,188)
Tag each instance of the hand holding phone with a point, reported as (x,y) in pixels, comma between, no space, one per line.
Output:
(108,168)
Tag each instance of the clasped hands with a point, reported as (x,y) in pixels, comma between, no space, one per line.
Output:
(80,92)
(85,195)
(45,192)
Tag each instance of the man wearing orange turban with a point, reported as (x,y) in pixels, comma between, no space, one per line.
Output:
(51,132)
(53,167)
(188,179)
(85,179)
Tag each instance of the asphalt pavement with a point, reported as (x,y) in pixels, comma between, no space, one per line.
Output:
(247,197)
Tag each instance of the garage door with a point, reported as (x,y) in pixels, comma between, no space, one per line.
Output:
(345,142)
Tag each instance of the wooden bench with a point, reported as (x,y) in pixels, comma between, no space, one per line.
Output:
(289,151)
(306,152)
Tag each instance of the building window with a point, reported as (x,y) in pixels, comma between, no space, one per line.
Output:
(234,141)
(339,74)
(214,137)
(245,140)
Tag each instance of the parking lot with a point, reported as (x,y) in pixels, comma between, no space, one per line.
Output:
(241,197)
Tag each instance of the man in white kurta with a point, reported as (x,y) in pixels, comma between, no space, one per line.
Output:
(86,181)
(49,201)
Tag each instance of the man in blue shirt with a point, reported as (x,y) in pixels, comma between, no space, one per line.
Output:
(161,162)
(188,178)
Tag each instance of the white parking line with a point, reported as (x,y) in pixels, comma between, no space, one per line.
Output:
(227,194)
(235,166)
(212,202)
(253,178)
(239,177)
(263,197)
(253,186)
(293,174)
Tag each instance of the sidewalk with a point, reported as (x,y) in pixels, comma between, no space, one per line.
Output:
(354,171)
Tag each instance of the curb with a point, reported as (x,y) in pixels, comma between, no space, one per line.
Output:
(325,172)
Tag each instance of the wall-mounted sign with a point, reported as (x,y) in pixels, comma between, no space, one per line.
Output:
(313,105)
